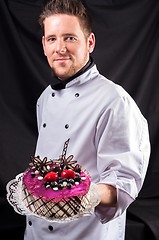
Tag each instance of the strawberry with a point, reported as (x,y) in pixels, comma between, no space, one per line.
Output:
(51,176)
(68,173)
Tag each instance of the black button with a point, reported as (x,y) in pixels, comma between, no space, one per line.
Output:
(50,228)
(53,94)
(44,125)
(30,223)
(66,126)
(77,95)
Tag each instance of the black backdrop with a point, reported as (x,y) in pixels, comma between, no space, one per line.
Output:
(127,52)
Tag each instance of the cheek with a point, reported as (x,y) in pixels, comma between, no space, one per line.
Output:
(83,52)
(80,51)
(48,50)
(49,55)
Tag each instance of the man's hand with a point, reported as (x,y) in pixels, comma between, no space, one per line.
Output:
(107,194)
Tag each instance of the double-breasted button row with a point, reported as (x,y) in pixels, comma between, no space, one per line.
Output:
(50,227)
(66,125)
(76,94)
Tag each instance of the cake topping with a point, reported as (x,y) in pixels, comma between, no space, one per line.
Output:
(68,173)
(51,176)
(57,173)
(40,165)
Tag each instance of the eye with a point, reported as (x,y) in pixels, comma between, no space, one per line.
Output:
(51,39)
(70,38)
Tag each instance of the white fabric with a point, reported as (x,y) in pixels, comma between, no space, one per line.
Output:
(108,136)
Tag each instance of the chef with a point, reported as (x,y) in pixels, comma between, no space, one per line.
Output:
(107,131)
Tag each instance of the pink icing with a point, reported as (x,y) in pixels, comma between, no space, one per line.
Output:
(37,189)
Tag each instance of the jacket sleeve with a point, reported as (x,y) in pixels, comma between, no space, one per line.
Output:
(123,146)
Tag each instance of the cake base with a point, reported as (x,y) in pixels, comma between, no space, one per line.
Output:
(66,208)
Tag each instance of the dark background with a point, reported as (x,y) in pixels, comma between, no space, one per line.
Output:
(127,52)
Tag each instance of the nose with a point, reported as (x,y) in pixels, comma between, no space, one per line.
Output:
(60,46)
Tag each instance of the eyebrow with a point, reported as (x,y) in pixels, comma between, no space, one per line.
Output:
(63,35)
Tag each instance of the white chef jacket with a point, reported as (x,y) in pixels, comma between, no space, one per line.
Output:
(108,136)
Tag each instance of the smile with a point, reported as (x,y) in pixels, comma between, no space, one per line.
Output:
(61,59)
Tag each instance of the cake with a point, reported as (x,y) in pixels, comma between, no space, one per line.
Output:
(56,189)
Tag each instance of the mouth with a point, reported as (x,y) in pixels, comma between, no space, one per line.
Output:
(61,59)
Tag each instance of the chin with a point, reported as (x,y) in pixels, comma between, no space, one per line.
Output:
(64,75)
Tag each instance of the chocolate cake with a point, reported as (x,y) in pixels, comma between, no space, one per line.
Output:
(55,189)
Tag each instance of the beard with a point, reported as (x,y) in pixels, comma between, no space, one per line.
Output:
(63,70)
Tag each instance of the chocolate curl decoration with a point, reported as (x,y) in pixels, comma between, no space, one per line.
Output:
(65,149)
(40,164)
(63,161)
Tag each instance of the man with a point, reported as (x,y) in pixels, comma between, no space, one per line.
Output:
(108,134)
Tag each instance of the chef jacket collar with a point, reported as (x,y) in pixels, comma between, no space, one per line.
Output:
(58,84)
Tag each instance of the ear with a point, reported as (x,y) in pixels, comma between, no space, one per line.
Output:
(43,43)
(91,42)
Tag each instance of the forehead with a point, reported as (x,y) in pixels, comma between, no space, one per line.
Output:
(62,23)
